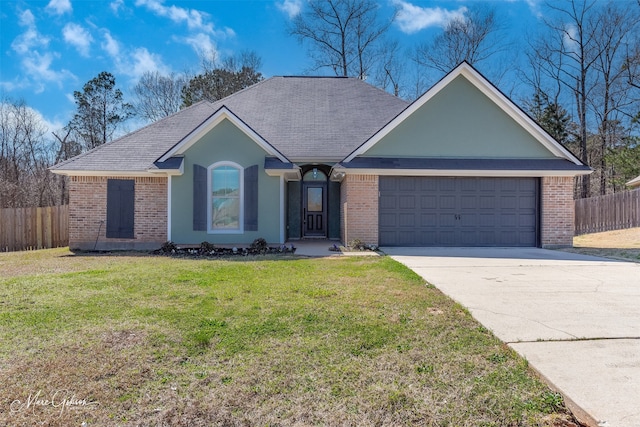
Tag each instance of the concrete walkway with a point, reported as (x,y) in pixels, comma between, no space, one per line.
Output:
(323,248)
(575,318)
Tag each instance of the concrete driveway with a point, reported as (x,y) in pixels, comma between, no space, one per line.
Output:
(575,318)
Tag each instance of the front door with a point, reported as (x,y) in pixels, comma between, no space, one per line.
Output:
(314,209)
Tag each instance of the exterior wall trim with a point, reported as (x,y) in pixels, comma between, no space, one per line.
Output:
(169,208)
(283,211)
(459,172)
(118,174)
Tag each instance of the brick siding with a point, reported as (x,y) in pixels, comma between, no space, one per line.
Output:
(359,208)
(557,211)
(88,213)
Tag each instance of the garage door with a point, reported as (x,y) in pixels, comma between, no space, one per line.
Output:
(443,211)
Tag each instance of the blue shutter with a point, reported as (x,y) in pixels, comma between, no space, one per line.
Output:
(199,198)
(120,208)
(251,198)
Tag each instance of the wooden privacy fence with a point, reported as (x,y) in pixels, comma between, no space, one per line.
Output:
(34,228)
(609,212)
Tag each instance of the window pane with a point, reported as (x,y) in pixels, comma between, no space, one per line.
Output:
(314,199)
(225,214)
(225,181)
(314,175)
(225,198)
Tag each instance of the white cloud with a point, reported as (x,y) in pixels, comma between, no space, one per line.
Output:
(116,5)
(51,125)
(38,66)
(30,39)
(78,37)
(26,19)
(59,7)
(141,61)
(412,18)
(134,62)
(195,19)
(16,84)
(36,115)
(110,45)
(201,43)
(534,5)
(291,7)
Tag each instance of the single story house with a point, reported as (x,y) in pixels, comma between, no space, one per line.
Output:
(327,157)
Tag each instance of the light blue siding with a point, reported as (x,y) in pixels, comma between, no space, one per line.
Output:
(459,122)
(225,142)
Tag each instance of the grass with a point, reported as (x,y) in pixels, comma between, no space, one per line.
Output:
(141,340)
(617,244)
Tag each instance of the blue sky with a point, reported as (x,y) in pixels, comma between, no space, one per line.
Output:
(51,48)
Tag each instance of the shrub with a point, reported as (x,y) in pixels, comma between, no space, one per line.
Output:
(207,248)
(259,246)
(357,244)
(168,248)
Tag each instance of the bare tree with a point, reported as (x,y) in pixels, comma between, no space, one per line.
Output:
(616,25)
(567,52)
(585,51)
(24,157)
(68,147)
(473,38)
(390,71)
(158,95)
(342,35)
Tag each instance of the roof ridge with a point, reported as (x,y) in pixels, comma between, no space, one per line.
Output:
(241,91)
(297,76)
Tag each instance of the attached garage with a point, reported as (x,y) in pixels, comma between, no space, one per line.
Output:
(459,211)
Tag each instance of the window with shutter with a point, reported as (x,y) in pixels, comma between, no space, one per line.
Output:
(225,198)
(120,208)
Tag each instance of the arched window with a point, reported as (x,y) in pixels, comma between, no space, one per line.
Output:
(314,175)
(226,189)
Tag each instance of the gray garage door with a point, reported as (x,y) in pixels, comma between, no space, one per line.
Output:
(443,211)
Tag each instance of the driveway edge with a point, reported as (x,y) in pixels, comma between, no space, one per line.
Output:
(582,416)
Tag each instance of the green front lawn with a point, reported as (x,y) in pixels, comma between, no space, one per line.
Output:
(142,340)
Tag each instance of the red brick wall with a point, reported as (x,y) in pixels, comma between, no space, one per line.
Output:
(557,213)
(88,213)
(359,208)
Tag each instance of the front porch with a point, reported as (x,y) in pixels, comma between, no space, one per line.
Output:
(313,205)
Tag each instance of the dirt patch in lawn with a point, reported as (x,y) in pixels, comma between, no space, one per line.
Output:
(619,244)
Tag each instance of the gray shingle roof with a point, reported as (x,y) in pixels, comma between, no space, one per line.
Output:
(314,118)
(305,118)
(137,151)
